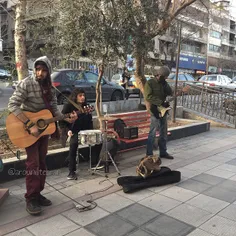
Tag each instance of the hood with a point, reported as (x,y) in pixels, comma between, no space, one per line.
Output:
(46,61)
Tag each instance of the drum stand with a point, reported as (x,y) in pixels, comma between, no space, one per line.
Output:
(107,156)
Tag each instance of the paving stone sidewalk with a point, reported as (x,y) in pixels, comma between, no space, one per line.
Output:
(202,204)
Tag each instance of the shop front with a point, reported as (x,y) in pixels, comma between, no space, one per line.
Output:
(192,65)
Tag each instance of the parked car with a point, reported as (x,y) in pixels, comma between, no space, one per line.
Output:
(132,89)
(215,80)
(181,77)
(4,74)
(65,80)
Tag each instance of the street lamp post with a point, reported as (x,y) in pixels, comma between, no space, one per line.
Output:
(177,72)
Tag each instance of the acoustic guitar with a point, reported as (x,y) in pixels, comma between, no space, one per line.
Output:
(44,120)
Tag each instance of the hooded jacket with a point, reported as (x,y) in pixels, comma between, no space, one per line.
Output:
(28,95)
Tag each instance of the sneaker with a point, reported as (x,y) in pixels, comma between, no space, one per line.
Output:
(33,207)
(72,176)
(167,156)
(43,201)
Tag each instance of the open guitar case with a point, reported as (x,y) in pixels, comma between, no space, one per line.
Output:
(158,178)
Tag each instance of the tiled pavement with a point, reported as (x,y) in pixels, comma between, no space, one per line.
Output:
(202,204)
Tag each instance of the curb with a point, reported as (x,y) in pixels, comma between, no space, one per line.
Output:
(14,168)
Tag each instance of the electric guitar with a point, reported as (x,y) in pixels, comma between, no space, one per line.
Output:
(44,120)
(162,109)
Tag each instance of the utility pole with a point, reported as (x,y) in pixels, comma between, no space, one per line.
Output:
(177,72)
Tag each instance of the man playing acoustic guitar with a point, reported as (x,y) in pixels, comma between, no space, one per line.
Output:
(34,94)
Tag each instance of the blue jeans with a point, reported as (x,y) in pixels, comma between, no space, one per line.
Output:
(161,126)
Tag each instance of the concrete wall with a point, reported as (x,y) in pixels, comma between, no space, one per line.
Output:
(113,107)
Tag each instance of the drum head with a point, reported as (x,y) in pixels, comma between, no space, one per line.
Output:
(97,131)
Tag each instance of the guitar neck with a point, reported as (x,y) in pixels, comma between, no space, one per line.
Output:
(58,118)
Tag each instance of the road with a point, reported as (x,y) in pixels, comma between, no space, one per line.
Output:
(7,92)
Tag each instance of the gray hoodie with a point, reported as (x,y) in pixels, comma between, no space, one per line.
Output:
(28,95)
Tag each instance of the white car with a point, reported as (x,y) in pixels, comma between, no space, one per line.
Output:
(215,80)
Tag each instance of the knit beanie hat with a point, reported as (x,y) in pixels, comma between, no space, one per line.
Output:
(41,63)
(163,71)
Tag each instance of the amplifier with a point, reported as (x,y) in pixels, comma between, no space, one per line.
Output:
(130,132)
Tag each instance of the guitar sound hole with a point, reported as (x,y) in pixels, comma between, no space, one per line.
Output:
(41,124)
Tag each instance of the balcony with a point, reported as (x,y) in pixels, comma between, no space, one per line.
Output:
(228,56)
(192,21)
(194,36)
(227,42)
(214,54)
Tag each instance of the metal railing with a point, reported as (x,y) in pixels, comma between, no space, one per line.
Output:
(213,102)
(88,65)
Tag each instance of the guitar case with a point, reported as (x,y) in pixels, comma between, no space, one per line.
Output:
(158,178)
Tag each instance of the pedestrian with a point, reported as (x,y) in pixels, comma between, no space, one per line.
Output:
(156,90)
(125,81)
(83,122)
(33,94)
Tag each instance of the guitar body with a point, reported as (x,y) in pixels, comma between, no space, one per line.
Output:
(16,129)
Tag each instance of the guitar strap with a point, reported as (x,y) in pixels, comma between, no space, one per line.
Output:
(68,99)
(56,134)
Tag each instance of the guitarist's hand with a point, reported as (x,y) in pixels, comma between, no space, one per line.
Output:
(72,118)
(34,131)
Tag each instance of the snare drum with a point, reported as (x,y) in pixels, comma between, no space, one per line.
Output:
(98,134)
(90,137)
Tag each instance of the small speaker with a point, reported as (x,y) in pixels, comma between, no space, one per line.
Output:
(130,132)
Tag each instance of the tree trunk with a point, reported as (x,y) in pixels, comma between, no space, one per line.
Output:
(19,36)
(98,93)
(139,76)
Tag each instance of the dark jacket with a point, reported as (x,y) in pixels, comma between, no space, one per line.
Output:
(156,92)
(84,121)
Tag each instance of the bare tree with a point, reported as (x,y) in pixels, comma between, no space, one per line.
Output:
(19,37)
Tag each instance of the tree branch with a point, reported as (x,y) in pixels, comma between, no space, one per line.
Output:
(168,5)
(183,5)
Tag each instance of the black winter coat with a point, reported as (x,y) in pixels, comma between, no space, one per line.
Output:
(84,121)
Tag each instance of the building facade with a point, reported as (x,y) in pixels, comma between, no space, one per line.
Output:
(207,38)
(208,42)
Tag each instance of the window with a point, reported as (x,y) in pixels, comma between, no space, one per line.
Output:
(204,78)
(80,77)
(214,48)
(116,78)
(91,78)
(71,75)
(191,48)
(189,77)
(172,76)
(182,78)
(212,78)
(215,34)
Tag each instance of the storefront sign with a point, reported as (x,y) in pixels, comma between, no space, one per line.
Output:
(194,63)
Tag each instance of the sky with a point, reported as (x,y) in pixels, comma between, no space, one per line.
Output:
(233,7)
